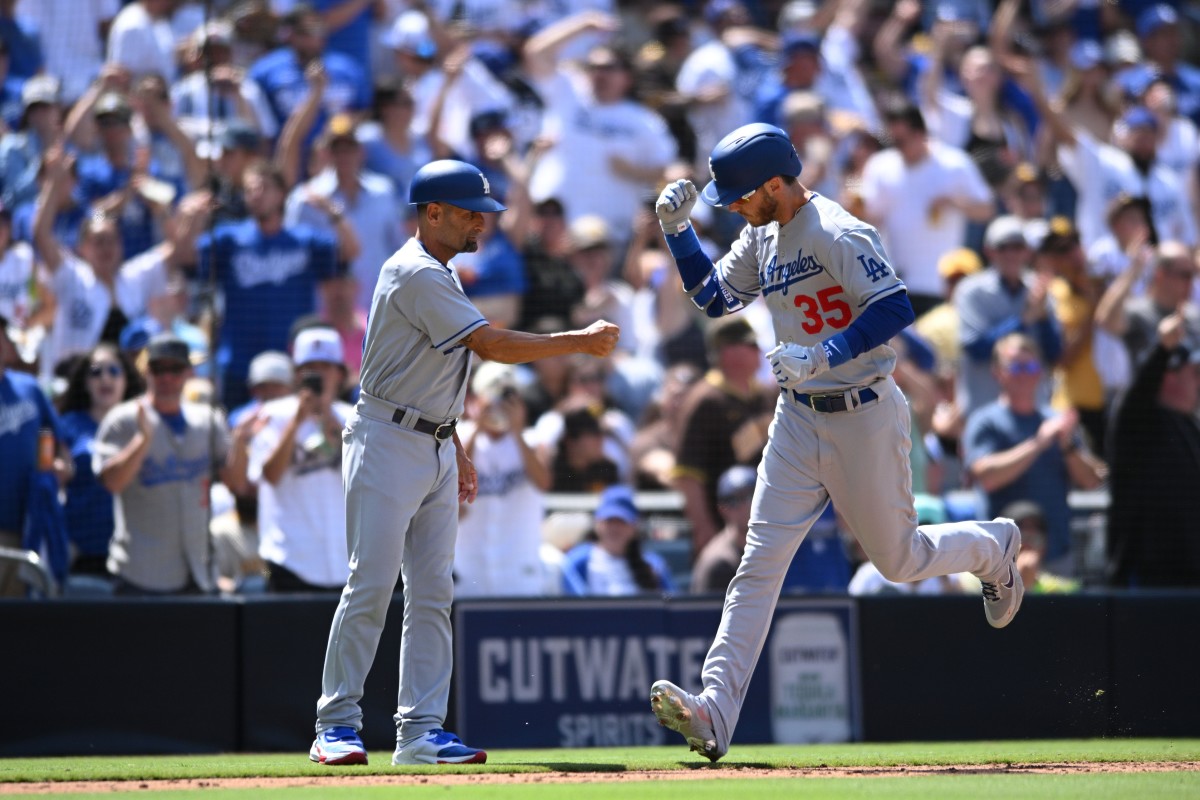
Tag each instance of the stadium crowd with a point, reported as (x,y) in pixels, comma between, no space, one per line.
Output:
(196,199)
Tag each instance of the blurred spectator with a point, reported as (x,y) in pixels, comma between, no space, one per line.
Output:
(366,201)
(806,122)
(24,412)
(217,93)
(921,195)
(1100,171)
(1178,148)
(723,422)
(21,42)
(657,67)
(340,310)
(592,256)
(553,286)
(18,284)
(21,150)
(1086,96)
(172,153)
(494,275)
(719,559)
(939,325)
(1160,33)
(1023,195)
(474,90)
(578,463)
(98,381)
(1126,238)
(1156,468)
(391,146)
(11,87)
(1135,320)
(1075,295)
(653,449)
(270,377)
(591,119)
(284,74)
(237,147)
(71,36)
(141,40)
(614,563)
(1006,297)
(1018,449)
(270,274)
(585,387)
(296,462)
(1032,522)
(95,293)
(157,454)
(348,23)
(498,551)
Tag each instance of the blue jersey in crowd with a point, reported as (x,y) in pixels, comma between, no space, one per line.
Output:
(24,411)
(269,282)
(353,39)
(99,178)
(89,509)
(500,269)
(281,77)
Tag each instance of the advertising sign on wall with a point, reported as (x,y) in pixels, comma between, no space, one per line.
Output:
(577,673)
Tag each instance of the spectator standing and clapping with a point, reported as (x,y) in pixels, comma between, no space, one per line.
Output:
(98,382)
(498,552)
(24,414)
(921,194)
(296,460)
(391,146)
(614,563)
(1152,539)
(1016,448)
(157,455)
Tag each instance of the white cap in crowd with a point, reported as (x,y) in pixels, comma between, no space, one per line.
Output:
(270,366)
(318,344)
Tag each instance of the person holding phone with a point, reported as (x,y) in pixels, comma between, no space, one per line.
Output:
(296,461)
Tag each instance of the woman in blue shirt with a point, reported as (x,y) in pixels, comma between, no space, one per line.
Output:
(96,383)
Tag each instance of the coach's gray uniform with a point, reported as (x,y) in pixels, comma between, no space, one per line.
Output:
(402,492)
(817,274)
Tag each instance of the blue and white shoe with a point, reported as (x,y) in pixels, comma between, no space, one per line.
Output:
(436,747)
(336,746)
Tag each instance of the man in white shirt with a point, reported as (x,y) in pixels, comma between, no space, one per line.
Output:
(921,194)
(71,38)
(296,461)
(141,39)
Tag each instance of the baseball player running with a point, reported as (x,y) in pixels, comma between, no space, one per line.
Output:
(405,470)
(841,427)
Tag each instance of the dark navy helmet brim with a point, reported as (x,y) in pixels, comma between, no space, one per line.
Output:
(715,196)
(484,205)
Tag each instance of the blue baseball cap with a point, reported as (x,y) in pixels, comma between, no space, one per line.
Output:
(796,42)
(616,502)
(1139,117)
(1154,18)
(735,482)
(136,335)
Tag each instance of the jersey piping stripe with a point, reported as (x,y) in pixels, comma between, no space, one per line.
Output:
(461,333)
(883,292)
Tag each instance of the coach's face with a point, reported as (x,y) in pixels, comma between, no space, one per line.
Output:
(456,228)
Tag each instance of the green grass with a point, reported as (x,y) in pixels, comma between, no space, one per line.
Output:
(729,786)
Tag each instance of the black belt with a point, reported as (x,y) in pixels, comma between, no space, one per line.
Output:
(438,430)
(832,403)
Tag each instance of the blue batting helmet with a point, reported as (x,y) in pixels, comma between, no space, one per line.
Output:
(454,182)
(746,159)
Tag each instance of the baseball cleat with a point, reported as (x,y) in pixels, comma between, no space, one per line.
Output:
(685,714)
(338,746)
(1002,597)
(436,747)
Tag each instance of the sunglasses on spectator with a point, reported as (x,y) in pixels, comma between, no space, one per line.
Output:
(111,370)
(1023,367)
(169,368)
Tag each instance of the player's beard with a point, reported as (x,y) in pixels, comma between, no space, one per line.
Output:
(470,245)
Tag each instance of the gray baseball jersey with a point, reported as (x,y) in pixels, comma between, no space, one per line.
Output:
(402,494)
(817,274)
(161,536)
(419,314)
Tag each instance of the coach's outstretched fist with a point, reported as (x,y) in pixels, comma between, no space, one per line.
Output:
(600,338)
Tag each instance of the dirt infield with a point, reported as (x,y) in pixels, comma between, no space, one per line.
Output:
(702,772)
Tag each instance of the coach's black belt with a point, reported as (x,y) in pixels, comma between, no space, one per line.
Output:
(831,403)
(438,430)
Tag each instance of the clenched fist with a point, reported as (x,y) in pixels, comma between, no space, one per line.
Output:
(600,338)
(674,206)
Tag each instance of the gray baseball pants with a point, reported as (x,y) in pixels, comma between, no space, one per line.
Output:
(401,518)
(859,460)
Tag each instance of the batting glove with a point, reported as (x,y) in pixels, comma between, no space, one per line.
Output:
(796,363)
(674,206)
